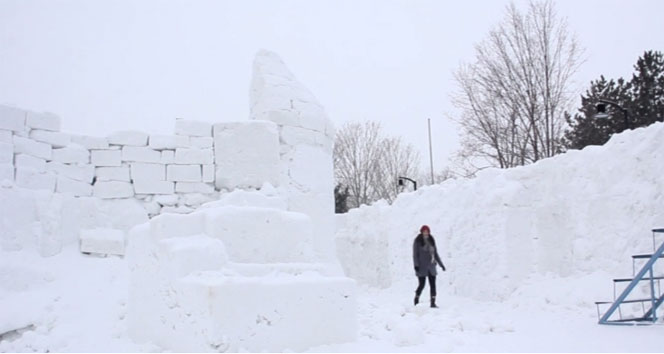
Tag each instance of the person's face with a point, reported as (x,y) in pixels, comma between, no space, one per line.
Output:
(425,233)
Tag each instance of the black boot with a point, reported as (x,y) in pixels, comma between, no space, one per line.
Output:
(433,302)
(417,300)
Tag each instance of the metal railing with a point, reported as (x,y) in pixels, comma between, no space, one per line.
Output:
(649,316)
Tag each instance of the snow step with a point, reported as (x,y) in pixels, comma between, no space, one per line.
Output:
(620,280)
(645,256)
(624,301)
(630,319)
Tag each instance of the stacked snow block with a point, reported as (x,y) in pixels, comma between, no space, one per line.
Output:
(36,155)
(188,270)
(167,173)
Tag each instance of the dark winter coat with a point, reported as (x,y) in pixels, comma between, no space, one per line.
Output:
(425,256)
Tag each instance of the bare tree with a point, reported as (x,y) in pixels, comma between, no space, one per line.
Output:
(368,163)
(513,96)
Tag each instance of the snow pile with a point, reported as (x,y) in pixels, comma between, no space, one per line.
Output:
(232,276)
(575,213)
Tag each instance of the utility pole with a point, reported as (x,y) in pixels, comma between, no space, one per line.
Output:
(430,153)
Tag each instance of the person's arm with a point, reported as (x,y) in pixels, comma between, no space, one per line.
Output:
(438,260)
(415,255)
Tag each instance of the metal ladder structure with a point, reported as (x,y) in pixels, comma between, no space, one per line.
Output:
(645,274)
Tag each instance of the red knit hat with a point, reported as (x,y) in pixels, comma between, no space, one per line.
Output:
(425,227)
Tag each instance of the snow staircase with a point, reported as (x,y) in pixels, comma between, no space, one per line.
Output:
(654,298)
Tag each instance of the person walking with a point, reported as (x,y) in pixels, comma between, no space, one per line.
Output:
(425,258)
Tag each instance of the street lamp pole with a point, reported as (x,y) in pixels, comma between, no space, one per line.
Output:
(601,111)
(401,179)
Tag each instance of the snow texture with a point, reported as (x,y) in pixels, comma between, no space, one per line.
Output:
(246,154)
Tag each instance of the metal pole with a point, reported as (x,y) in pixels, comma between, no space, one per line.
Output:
(430,152)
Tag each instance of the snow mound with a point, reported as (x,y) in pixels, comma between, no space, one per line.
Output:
(570,214)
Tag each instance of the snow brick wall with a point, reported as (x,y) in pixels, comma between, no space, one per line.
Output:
(166,173)
(268,245)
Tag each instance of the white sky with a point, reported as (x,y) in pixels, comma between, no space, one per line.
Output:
(112,65)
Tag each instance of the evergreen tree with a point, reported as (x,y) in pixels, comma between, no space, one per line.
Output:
(648,89)
(585,128)
(642,97)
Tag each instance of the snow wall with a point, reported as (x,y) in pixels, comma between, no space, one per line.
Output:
(59,184)
(574,213)
(247,271)
(229,227)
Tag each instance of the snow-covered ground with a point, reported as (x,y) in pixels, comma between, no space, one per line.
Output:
(77,303)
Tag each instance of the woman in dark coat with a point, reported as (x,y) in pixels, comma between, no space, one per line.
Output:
(425,258)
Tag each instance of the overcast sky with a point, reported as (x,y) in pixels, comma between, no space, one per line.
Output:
(113,65)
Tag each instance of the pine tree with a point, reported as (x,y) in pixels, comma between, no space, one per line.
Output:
(648,89)
(642,97)
(585,128)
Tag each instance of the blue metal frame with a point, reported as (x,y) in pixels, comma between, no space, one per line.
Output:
(651,315)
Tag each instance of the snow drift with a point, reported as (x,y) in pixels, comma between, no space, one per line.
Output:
(571,214)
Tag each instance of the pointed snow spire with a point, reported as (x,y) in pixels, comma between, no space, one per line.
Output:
(276,95)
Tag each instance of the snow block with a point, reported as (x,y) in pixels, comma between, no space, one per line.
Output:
(193,187)
(32,179)
(246,154)
(201,143)
(173,225)
(43,121)
(185,156)
(103,241)
(73,187)
(31,147)
(208,173)
(184,173)
(193,128)
(129,138)
(83,172)
(90,142)
(12,119)
(71,154)
(153,208)
(261,235)
(113,173)
(31,162)
(268,317)
(6,172)
(167,200)
(184,255)
(57,139)
(113,189)
(162,142)
(148,172)
(153,187)
(167,156)
(140,154)
(6,136)
(111,158)
(6,153)
(196,199)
